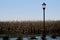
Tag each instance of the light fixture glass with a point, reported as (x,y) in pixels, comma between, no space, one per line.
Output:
(43,5)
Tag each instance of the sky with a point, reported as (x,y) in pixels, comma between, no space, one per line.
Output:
(20,10)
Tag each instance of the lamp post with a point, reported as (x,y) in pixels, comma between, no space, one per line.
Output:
(44,32)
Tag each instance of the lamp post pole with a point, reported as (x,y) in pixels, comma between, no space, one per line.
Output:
(44,31)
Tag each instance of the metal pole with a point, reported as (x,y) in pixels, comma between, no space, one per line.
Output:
(44,32)
(44,20)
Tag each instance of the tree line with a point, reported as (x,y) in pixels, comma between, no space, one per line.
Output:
(29,28)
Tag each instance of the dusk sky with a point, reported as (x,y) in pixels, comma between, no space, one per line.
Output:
(28,10)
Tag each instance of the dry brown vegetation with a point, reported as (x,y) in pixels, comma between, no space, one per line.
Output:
(29,27)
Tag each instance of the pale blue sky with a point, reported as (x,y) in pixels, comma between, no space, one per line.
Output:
(28,10)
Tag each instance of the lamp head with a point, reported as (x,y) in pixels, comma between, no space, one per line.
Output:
(43,5)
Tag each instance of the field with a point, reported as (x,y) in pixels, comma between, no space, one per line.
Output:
(29,28)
